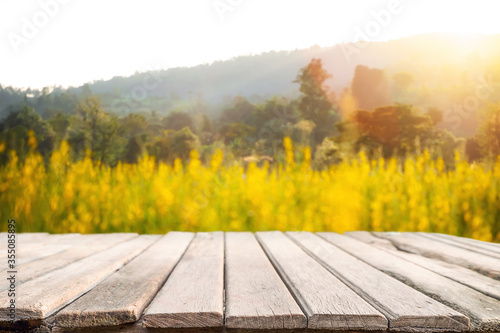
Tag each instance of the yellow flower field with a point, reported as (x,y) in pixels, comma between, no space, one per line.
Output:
(155,198)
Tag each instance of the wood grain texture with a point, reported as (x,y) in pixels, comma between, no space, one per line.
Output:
(36,246)
(256,298)
(87,245)
(327,301)
(122,297)
(125,328)
(193,294)
(489,245)
(414,243)
(33,247)
(46,247)
(40,297)
(473,245)
(25,238)
(368,238)
(457,273)
(406,308)
(483,311)
(29,237)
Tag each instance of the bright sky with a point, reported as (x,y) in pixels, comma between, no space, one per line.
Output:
(70,42)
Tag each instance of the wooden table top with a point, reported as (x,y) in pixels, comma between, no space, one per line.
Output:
(240,281)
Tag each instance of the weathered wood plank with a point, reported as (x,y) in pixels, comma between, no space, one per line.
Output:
(469,244)
(36,238)
(125,328)
(44,295)
(88,245)
(193,294)
(467,240)
(406,308)
(457,273)
(25,237)
(122,297)
(368,238)
(32,247)
(327,301)
(26,241)
(483,311)
(414,243)
(47,246)
(256,298)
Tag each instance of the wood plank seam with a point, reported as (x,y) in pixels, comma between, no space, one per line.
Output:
(224,276)
(256,297)
(192,297)
(470,241)
(122,297)
(386,312)
(34,313)
(283,266)
(400,315)
(413,243)
(45,265)
(164,282)
(286,281)
(478,307)
(481,283)
(464,246)
(336,307)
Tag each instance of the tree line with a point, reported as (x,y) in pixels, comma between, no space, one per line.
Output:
(244,130)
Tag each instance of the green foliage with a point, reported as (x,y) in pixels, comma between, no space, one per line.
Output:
(135,149)
(230,132)
(112,126)
(29,119)
(177,121)
(239,111)
(96,130)
(60,123)
(314,103)
(16,127)
(490,134)
(183,142)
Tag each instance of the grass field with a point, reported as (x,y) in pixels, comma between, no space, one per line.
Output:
(155,198)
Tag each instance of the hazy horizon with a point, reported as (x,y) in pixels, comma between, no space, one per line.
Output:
(68,43)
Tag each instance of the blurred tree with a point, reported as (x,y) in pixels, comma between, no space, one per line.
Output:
(206,124)
(26,119)
(183,142)
(397,128)
(370,88)
(13,139)
(327,154)
(230,132)
(274,108)
(435,114)
(177,121)
(473,150)
(135,149)
(60,123)
(161,147)
(401,83)
(314,103)
(133,125)
(489,136)
(98,130)
(239,111)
